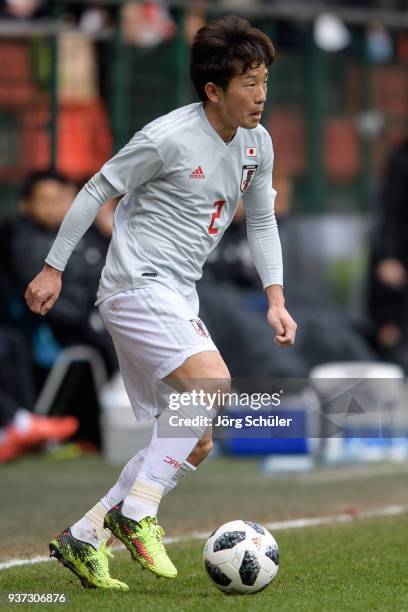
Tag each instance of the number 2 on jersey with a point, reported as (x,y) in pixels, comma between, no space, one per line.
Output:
(216,215)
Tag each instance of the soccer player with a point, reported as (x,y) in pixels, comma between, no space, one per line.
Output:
(182,176)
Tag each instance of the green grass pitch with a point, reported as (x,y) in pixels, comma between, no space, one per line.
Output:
(361,566)
(357,566)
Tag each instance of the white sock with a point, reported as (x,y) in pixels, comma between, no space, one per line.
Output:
(163,459)
(90,527)
(128,476)
(143,499)
(125,481)
(186,468)
(143,436)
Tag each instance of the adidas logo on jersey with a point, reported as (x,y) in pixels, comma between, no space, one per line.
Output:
(198,173)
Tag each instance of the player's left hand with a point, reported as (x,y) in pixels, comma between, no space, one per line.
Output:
(283,324)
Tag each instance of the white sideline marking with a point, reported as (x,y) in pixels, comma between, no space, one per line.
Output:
(17,562)
(277,526)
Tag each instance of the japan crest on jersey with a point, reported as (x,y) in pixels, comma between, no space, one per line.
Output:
(199,327)
(251,152)
(248,173)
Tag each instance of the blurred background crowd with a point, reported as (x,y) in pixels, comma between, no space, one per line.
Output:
(79,77)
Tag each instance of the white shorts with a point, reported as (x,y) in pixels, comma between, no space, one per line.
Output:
(154,330)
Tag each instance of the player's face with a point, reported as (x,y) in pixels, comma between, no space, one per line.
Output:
(243,100)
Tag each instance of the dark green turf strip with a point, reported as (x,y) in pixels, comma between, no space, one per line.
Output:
(41,496)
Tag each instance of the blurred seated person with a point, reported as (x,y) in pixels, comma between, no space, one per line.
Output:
(235,307)
(387,292)
(20,430)
(23,9)
(46,197)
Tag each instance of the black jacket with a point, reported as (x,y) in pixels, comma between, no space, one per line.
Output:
(29,245)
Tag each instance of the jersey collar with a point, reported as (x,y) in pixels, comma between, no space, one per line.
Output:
(213,133)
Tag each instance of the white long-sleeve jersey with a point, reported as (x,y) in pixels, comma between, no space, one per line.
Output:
(182,184)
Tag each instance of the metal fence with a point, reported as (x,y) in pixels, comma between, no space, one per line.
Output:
(70,100)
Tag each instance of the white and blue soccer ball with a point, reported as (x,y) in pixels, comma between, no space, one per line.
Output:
(241,557)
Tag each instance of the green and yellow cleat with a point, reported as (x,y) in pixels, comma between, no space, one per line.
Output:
(90,565)
(143,539)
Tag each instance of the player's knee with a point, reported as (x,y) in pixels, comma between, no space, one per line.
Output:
(217,390)
(217,374)
(207,367)
(216,378)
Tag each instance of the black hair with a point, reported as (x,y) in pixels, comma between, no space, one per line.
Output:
(43,175)
(225,47)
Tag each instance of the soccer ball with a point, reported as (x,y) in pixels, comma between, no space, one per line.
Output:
(241,557)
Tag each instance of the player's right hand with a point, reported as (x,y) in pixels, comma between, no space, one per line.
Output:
(43,291)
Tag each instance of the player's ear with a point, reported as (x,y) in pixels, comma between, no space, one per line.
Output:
(213,92)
